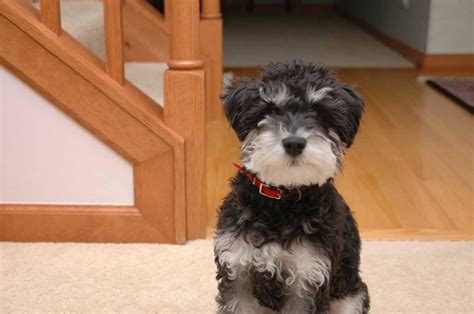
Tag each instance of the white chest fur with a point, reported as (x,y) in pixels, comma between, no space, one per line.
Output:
(303,268)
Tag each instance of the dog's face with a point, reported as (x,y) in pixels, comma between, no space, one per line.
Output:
(295,123)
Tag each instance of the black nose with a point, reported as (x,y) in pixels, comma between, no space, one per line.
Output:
(294,145)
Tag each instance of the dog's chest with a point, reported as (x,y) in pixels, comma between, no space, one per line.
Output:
(301,267)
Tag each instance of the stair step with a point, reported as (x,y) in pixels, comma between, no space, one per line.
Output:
(148,77)
(85,22)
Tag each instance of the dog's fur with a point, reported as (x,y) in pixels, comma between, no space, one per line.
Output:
(299,254)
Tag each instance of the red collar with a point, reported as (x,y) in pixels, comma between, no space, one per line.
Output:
(265,189)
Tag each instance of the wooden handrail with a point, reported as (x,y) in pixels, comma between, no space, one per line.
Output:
(50,12)
(114,63)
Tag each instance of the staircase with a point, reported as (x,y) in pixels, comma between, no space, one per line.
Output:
(139,81)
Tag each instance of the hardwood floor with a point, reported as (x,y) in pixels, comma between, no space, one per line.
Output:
(409,174)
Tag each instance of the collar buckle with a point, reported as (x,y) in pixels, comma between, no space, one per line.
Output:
(276,197)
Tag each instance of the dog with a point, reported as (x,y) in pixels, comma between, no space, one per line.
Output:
(285,240)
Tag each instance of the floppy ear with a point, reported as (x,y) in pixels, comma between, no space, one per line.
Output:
(355,108)
(239,100)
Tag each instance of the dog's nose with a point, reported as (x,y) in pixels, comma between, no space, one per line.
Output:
(294,145)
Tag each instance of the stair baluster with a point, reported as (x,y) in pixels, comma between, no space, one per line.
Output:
(50,13)
(114,63)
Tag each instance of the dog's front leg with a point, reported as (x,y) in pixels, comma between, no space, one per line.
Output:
(269,291)
(316,302)
(235,295)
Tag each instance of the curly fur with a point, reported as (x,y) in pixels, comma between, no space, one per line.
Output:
(294,255)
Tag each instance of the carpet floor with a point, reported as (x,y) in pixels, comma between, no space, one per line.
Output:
(251,41)
(403,277)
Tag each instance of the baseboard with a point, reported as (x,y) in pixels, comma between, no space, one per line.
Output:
(432,61)
(420,59)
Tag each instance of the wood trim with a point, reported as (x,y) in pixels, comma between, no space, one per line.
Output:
(50,13)
(114,64)
(433,61)
(159,165)
(153,191)
(185,110)
(69,223)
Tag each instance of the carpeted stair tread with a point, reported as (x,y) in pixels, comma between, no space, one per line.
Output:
(148,77)
(85,22)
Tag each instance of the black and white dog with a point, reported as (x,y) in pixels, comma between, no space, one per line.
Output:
(286,241)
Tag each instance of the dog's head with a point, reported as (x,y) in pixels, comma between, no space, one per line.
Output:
(295,123)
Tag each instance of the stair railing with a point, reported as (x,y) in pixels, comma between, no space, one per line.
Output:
(50,13)
(184,87)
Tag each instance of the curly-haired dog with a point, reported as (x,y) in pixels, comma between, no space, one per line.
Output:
(286,240)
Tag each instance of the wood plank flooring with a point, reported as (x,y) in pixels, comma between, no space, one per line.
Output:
(410,173)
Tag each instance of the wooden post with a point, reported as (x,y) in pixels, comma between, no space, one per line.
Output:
(50,12)
(114,40)
(184,106)
(211,47)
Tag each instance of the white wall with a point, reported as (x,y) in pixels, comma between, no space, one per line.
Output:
(430,26)
(46,157)
(451,27)
(406,21)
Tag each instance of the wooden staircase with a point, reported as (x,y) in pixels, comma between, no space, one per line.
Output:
(165,145)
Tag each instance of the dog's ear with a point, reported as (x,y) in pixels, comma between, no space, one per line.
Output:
(241,100)
(354,108)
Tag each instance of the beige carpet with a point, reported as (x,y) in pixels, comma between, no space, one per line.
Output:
(403,277)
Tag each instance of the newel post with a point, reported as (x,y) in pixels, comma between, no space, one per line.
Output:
(184,106)
(212,50)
